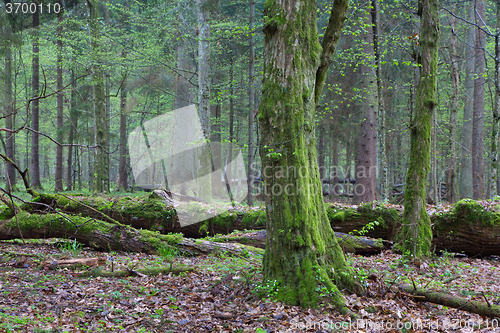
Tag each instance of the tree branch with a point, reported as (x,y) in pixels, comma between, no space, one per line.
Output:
(329,44)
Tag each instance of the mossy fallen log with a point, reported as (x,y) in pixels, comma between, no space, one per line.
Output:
(152,212)
(107,236)
(433,296)
(465,228)
(468,228)
(91,232)
(349,243)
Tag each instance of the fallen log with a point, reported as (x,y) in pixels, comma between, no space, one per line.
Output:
(349,243)
(108,236)
(76,262)
(437,297)
(153,212)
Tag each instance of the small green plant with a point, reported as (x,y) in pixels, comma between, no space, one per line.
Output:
(168,253)
(267,289)
(366,228)
(73,247)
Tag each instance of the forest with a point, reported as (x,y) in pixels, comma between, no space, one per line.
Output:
(249,166)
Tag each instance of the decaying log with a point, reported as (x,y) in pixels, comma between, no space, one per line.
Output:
(349,243)
(74,262)
(481,308)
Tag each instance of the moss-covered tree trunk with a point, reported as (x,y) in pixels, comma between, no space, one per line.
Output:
(416,234)
(101,184)
(302,253)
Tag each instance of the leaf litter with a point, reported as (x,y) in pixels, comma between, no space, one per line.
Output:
(220,294)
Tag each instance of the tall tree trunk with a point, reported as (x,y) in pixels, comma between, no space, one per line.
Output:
(382,130)
(183,93)
(73,118)
(416,234)
(35,109)
(204,79)
(59,149)
(496,113)
(251,107)
(366,159)
(478,181)
(122,168)
(452,169)
(108,82)
(465,182)
(101,167)
(302,254)
(10,172)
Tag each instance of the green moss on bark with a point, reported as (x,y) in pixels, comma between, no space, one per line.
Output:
(302,255)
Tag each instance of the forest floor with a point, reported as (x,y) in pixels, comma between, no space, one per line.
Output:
(224,294)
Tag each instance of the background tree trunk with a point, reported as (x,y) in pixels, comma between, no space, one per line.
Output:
(35,109)
(101,167)
(366,159)
(73,118)
(60,106)
(416,234)
(465,185)
(10,172)
(382,129)
(455,80)
(493,191)
(478,181)
(251,105)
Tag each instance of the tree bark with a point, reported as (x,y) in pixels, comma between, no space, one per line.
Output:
(366,159)
(60,106)
(35,109)
(416,234)
(493,191)
(478,181)
(382,130)
(465,182)
(101,166)
(251,106)
(455,78)
(10,172)
(73,118)
(122,168)
(301,247)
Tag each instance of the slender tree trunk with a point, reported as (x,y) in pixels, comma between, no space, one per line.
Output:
(416,234)
(10,172)
(251,107)
(452,169)
(465,182)
(434,178)
(382,153)
(73,118)
(478,181)
(183,88)
(122,169)
(108,83)
(60,106)
(301,248)
(366,159)
(204,79)
(496,112)
(35,109)
(101,167)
